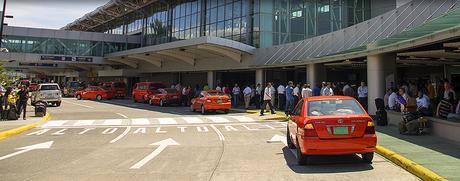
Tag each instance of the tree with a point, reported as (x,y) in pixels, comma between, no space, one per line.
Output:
(7,77)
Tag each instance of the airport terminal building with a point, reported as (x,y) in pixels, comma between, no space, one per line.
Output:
(247,42)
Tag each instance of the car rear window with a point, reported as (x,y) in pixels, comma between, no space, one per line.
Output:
(119,85)
(156,86)
(74,84)
(216,94)
(332,107)
(49,87)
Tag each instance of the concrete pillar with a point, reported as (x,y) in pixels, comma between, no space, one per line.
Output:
(260,76)
(316,73)
(380,68)
(211,79)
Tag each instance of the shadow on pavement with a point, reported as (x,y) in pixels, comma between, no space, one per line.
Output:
(327,164)
(427,141)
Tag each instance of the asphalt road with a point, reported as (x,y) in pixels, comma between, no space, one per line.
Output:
(120,140)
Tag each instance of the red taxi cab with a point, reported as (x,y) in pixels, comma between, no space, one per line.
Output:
(164,97)
(330,125)
(143,90)
(94,92)
(119,89)
(212,100)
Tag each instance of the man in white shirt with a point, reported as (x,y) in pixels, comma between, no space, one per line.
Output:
(281,97)
(423,104)
(267,99)
(306,91)
(247,96)
(218,87)
(236,95)
(296,93)
(327,91)
(447,89)
(392,100)
(323,86)
(362,94)
(257,97)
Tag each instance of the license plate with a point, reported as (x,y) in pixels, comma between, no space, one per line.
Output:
(340,130)
(219,101)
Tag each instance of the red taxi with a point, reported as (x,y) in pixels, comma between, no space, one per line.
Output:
(163,97)
(94,92)
(143,90)
(211,100)
(331,125)
(118,88)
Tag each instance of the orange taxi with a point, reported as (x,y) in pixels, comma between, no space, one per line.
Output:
(330,125)
(211,100)
(94,92)
(164,97)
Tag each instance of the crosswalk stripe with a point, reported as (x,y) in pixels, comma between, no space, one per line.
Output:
(113,122)
(140,121)
(167,121)
(84,122)
(218,119)
(243,118)
(193,120)
(54,123)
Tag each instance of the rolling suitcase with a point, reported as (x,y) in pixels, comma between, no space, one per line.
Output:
(382,119)
(40,110)
(12,114)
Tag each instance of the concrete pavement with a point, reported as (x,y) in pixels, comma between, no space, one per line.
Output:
(235,150)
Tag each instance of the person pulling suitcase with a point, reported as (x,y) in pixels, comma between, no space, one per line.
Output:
(22,102)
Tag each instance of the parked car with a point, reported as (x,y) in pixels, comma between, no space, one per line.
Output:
(94,93)
(330,125)
(119,89)
(142,89)
(71,88)
(49,93)
(164,97)
(211,100)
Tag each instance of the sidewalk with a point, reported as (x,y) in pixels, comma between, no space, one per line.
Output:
(434,153)
(10,124)
(255,114)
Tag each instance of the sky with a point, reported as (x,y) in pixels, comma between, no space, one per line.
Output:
(50,14)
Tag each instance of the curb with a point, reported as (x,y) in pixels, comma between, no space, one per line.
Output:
(409,165)
(18,130)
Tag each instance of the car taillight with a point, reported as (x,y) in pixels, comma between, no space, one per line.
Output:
(370,129)
(309,131)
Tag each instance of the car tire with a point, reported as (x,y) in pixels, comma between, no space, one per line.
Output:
(368,157)
(301,158)
(99,97)
(290,145)
(150,102)
(191,108)
(134,99)
(203,110)
(226,111)
(162,103)
(79,97)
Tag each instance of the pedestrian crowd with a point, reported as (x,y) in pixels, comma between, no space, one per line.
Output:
(13,101)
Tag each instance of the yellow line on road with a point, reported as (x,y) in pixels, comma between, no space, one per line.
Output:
(18,130)
(409,165)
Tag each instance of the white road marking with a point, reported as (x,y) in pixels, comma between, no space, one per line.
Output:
(39,132)
(158,130)
(221,136)
(44,145)
(218,119)
(140,130)
(167,121)
(84,122)
(249,129)
(113,122)
(193,120)
(281,139)
(60,132)
(121,135)
(230,128)
(162,145)
(202,129)
(122,115)
(109,130)
(53,123)
(86,130)
(78,104)
(243,118)
(271,127)
(140,121)
(182,128)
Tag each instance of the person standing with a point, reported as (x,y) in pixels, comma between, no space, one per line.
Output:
(448,88)
(267,99)
(258,93)
(296,93)
(218,88)
(23,98)
(206,87)
(289,98)
(247,96)
(323,86)
(362,94)
(273,92)
(236,95)
(281,97)
(184,96)
(306,91)
(348,91)
(327,91)
(316,90)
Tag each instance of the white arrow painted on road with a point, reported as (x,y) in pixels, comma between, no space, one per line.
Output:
(281,139)
(162,145)
(45,145)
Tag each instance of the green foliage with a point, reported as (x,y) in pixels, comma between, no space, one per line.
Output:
(7,77)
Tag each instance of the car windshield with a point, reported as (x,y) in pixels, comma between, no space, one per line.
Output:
(74,84)
(49,87)
(156,86)
(216,94)
(332,107)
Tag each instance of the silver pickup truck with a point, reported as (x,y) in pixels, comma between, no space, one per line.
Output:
(49,93)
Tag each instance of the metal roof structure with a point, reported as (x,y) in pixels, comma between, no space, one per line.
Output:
(106,13)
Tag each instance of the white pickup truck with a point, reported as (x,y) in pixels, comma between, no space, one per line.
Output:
(49,93)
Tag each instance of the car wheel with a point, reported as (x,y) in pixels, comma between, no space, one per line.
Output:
(226,111)
(368,157)
(98,97)
(150,102)
(301,158)
(58,104)
(203,110)
(162,104)
(134,99)
(191,108)
(78,97)
(288,140)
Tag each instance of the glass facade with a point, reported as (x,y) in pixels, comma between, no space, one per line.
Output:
(260,23)
(22,44)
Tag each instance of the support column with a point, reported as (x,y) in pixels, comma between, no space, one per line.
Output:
(316,73)
(260,76)
(380,68)
(211,79)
